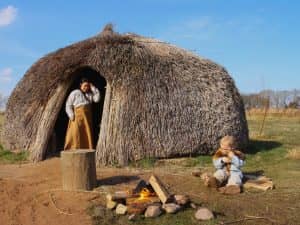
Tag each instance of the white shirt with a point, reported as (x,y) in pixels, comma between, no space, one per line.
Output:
(76,98)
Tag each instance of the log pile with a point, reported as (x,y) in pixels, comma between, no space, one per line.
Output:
(149,198)
(260,182)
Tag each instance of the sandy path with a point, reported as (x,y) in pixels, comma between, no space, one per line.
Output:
(28,191)
(25,196)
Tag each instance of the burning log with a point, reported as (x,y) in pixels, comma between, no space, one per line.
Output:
(147,196)
(119,195)
(139,205)
(147,200)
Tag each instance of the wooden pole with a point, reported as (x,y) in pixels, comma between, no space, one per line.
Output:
(264,118)
(78,169)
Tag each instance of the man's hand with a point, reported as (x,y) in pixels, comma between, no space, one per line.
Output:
(226,159)
(224,152)
(230,154)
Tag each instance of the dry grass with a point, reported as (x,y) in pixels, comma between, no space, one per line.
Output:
(266,153)
(294,154)
(274,112)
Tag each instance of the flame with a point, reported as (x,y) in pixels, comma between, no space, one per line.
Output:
(145,193)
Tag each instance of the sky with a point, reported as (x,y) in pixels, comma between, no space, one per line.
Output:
(257,41)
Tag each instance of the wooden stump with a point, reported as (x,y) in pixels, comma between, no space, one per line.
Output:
(78,169)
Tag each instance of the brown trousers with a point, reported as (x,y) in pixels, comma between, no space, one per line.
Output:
(80,131)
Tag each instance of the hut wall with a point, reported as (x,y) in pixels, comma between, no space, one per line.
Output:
(160,101)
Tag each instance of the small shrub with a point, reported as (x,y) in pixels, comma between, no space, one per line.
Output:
(11,157)
(144,163)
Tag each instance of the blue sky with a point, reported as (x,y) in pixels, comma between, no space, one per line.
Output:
(257,41)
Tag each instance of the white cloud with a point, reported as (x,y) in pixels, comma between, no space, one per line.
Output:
(6,74)
(7,15)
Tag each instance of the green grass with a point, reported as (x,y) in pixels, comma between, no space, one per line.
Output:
(199,161)
(108,217)
(146,163)
(265,153)
(268,152)
(11,157)
(8,156)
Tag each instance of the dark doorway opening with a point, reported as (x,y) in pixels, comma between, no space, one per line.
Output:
(57,140)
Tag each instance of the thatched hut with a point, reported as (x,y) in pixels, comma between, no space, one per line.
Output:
(157,100)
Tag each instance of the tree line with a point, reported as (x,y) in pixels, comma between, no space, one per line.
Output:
(272,99)
(3,100)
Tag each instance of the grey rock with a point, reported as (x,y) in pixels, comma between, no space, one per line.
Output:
(121,209)
(153,211)
(111,204)
(204,214)
(181,199)
(171,207)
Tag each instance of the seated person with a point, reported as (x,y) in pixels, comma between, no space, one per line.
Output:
(227,161)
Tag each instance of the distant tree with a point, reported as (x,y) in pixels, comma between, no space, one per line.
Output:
(3,100)
(295,104)
(272,99)
(255,101)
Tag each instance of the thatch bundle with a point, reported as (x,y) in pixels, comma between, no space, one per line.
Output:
(160,100)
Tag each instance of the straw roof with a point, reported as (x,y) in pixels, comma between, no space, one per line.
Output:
(161,100)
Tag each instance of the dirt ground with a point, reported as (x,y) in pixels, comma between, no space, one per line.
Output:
(30,194)
(25,196)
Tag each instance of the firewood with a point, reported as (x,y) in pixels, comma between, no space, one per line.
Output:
(137,208)
(139,205)
(259,182)
(262,185)
(159,189)
(134,200)
(118,195)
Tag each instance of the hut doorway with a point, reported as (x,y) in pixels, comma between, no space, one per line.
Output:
(56,142)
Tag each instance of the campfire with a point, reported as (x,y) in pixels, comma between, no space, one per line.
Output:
(145,192)
(150,198)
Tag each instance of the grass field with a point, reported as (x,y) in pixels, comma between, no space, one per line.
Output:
(275,151)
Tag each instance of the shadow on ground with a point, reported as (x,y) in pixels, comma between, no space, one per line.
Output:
(256,146)
(116,180)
